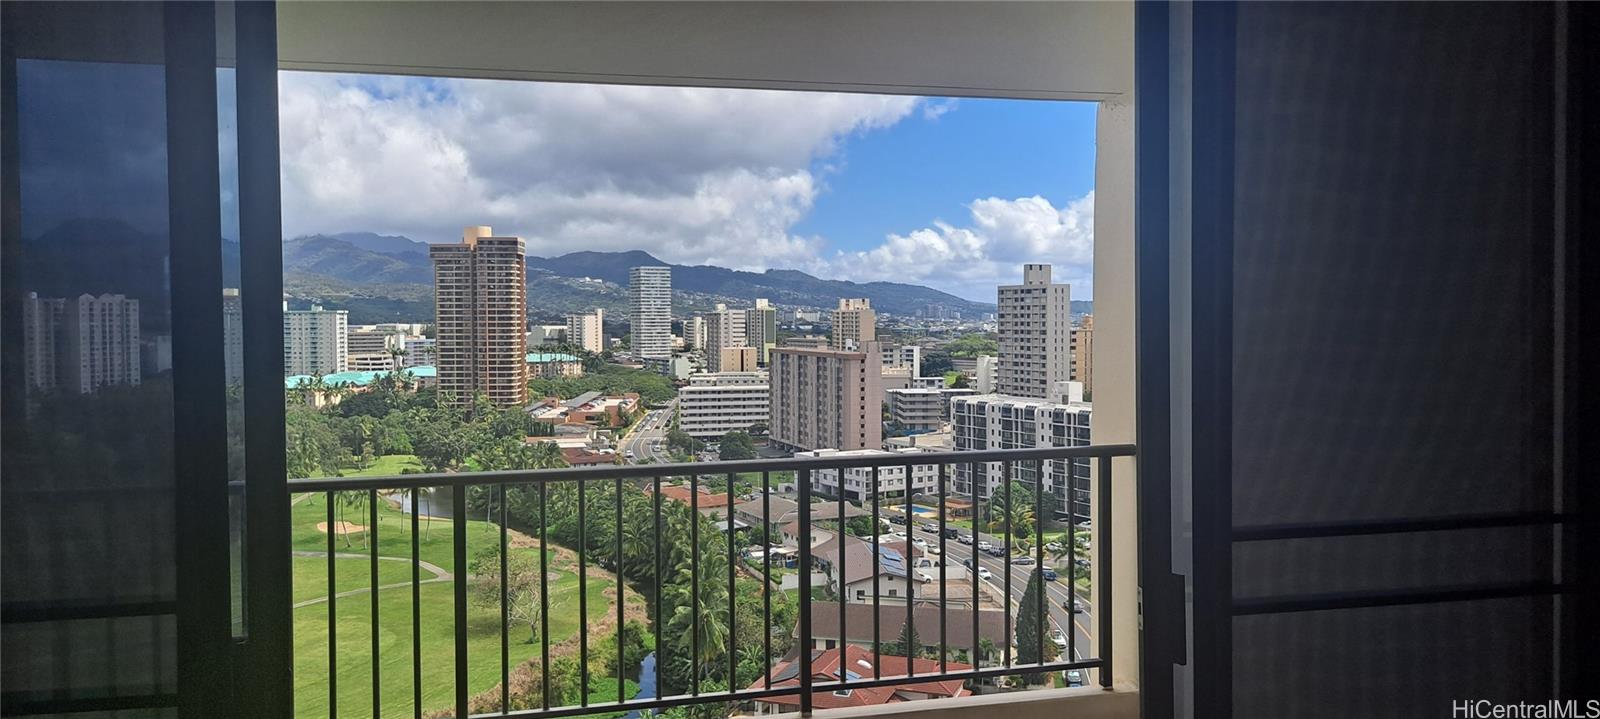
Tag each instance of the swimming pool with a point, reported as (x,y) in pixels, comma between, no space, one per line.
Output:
(920,511)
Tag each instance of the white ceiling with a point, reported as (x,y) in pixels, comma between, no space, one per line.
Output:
(1048,50)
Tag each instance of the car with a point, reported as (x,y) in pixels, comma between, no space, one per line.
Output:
(967,562)
(898,536)
(1053,547)
(1058,638)
(929,527)
(1023,561)
(897,519)
(984,573)
(1073,677)
(920,543)
(1074,606)
(1048,574)
(951,533)
(984,545)
(997,551)
(630,454)
(964,538)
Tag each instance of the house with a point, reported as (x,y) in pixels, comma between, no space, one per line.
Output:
(858,624)
(852,663)
(706,503)
(783,511)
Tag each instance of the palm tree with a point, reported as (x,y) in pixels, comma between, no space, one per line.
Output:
(1016,503)
(395,355)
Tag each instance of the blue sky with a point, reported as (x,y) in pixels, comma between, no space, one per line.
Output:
(929,168)
(953,194)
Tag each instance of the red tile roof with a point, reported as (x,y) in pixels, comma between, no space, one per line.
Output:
(705,501)
(825,668)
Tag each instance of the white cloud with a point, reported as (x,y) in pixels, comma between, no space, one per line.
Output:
(970,260)
(693,175)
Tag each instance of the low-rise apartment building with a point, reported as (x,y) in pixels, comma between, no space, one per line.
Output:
(717,403)
(916,409)
(994,421)
(892,481)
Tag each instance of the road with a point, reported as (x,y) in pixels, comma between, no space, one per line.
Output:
(1056,592)
(649,437)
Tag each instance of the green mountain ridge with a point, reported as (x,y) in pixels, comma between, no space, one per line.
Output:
(371,268)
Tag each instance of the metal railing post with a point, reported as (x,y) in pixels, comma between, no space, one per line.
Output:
(1102,543)
(458,520)
(804,476)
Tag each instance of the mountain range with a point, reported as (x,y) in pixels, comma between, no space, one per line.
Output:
(364,264)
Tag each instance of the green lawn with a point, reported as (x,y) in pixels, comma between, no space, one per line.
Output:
(311,575)
(388,465)
(354,620)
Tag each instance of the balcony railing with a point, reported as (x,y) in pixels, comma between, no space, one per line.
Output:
(631,506)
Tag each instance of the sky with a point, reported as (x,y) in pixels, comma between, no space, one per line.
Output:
(953,194)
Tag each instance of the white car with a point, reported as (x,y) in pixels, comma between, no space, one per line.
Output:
(984,545)
(1059,638)
(984,573)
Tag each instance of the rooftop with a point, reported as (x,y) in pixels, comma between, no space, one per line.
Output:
(853,662)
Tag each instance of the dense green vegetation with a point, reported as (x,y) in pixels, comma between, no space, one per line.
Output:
(736,445)
(608,379)
(972,345)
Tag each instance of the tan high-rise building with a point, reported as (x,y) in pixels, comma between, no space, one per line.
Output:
(736,359)
(480,305)
(854,325)
(1035,335)
(1083,352)
(725,329)
(826,399)
(587,331)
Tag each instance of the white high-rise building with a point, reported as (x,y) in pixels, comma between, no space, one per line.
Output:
(984,376)
(715,404)
(650,299)
(854,325)
(725,328)
(315,341)
(586,331)
(694,332)
(761,329)
(1035,334)
(995,421)
(81,343)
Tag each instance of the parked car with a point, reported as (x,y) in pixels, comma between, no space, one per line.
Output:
(1048,574)
(1073,677)
(1053,547)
